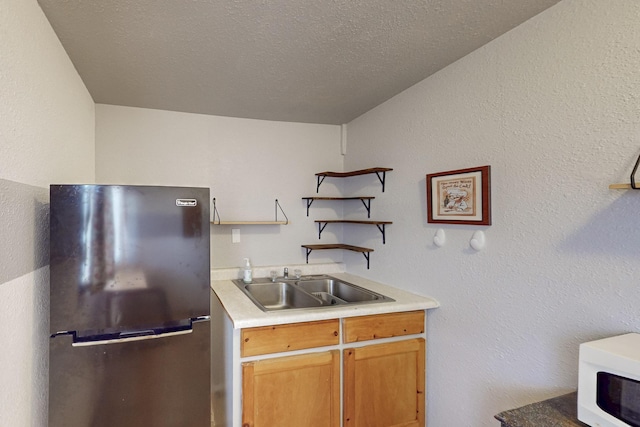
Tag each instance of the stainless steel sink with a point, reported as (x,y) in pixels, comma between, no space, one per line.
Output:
(307,292)
(343,292)
(279,296)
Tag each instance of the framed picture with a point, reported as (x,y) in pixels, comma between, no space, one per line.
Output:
(460,197)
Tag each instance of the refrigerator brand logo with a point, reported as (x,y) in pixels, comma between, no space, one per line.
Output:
(186,202)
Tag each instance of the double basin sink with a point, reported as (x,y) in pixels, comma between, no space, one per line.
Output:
(307,292)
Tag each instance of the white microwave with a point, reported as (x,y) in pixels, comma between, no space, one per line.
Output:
(609,382)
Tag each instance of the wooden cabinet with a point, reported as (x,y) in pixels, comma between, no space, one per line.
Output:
(302,390)
(299,390)
(362,371)
(384,385)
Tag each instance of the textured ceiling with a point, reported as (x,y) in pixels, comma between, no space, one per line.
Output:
(313,61)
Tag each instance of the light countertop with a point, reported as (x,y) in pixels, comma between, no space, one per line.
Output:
(245,314)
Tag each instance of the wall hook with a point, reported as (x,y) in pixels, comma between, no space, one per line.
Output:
(477,241)
(439,238)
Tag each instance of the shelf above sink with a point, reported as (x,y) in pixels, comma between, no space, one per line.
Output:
(363,251)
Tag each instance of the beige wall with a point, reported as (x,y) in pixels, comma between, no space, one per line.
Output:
(246,163)
(46,136)
(553,106)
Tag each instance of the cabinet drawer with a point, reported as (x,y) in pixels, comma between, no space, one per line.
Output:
(289,337)
(366,328)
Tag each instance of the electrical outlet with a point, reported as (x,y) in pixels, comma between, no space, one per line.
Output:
(235,235)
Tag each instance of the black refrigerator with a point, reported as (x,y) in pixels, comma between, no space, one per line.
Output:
(130,306)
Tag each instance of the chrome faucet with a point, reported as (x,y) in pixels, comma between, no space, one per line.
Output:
(286,273)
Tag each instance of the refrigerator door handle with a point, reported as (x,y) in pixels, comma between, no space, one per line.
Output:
(129,337)
(133,334)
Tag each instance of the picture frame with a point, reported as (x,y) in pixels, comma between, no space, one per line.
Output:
(460,196)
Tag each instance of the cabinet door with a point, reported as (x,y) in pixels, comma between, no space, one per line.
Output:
(292,391)
(384,385)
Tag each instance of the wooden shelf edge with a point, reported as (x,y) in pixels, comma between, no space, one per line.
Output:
(620,187)
(340,198)
(352,221)
(353,173)
(364,251)
(249,222)
(338,246)
(380,172)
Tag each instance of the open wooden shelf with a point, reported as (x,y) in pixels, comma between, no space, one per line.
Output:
(353,221)
(632,180)
(380,224)
(353,173)
(363,251)
(366,201)
(338,198)
(380,172)
(620,187)
(250,222)
(338,246)
(216,217)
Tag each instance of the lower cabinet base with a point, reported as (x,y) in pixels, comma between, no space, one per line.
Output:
(362,371)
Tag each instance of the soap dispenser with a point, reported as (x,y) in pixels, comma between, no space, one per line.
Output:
(247,274)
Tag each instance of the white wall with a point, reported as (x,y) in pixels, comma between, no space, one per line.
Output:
(46,136)
(247,164)
(554,107)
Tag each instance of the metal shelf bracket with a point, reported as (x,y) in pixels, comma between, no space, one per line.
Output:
(366,256)
(382,178)
(321,228)
(309,202)
(381,228)
(633,175)
(367,205)
(320,181)
(215,212)
(278,207)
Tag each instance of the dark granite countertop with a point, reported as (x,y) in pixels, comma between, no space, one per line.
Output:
(560,411)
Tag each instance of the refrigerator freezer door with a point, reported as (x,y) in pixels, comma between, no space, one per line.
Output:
(127,257)
(160,382)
